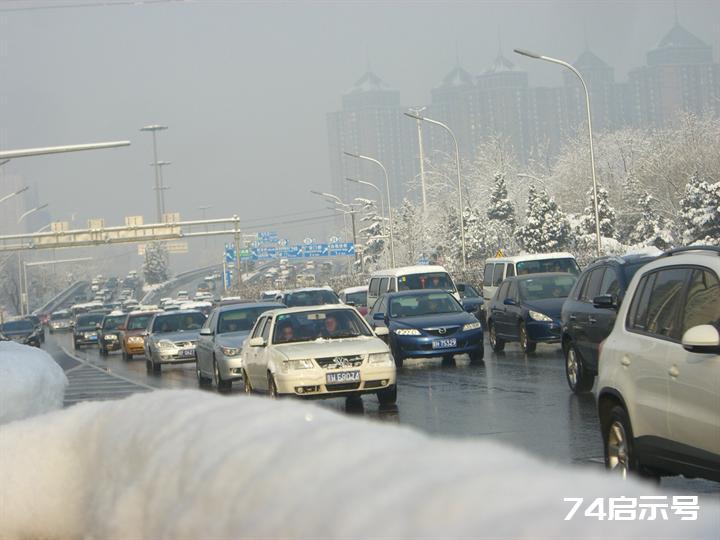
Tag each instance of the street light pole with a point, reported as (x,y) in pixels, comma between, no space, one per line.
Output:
(536,56)
(154,129)
(459,181)
(380,196)
(417,112)
(31,211)
(13,194)
(389,207)
(161,185)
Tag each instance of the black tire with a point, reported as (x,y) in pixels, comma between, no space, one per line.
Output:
(75,345)
(477,356)
(221,385)
(272,387)
(247,387)
(399,360)
(526,344)
(103,351)
(126,357)
(148,366)
(497,344)
(579,379)
(619,458)
(156,368)
(387,396)
(201,379)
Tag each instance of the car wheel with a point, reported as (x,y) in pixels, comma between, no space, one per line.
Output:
(525,344)
(477,355)
(156,367)
(618,439)
(397,357)
(247,387)
(497,344)
(103,351)
(75,345)
(201,379)
(387,396)
(579,379)
(218,382)
(272,387)
(148,366)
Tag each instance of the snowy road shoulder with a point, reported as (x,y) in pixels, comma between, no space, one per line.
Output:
(31,382)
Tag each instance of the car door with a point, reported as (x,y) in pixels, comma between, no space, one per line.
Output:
(251,359)
(379,307)
(694,378)
(263,355)
(204,346)
(488,289)
(586,315)
(513,314)
(600,321)
(498,310)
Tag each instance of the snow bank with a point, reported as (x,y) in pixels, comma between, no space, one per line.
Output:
(31,382)
(189,464)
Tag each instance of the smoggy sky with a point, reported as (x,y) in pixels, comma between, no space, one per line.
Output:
(245,87)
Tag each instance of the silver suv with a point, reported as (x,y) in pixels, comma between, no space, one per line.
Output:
(658,390)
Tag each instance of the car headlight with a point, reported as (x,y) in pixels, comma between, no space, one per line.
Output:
(165,344)
(380,359)
(537,316)
(230,351)
(471,326)
(407,332)
(110,337)
(298,364)
(89,335)
(135,339)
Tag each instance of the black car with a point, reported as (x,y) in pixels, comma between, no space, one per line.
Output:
(527,309)
(85,330)
(21,331)
(472,301)
(109,334)
(588,314)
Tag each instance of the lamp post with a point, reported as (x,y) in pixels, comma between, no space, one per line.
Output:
(25,295)
(352,211)
(536,56)
(370,184)
(459,181)
(161,183)
(154,129)
(417,112)
(13,194)
(31,211)
(389,207)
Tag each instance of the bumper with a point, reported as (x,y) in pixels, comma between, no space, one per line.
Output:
(422,346)
(544,332)
(134,348)
(230,367)
(312,385)
(59,328)
(82,340)
(110,344)
(172,357)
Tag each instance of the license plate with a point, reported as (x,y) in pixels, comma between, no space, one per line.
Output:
(186,353)
(444,343)
(343,377)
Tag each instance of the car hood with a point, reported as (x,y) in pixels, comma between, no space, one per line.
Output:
(17,333)
(336,347)
(86,329)
(232,339)
(188,335)
(429,321)
(549,306)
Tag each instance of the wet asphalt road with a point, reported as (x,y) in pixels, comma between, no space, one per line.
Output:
(519,399)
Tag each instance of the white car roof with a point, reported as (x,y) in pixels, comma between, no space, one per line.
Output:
(304,309)
(531,257)
(705,258)
(350,290)
(409,270)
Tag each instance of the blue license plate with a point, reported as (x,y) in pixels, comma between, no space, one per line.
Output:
(444,343)
(342,377)
(186,353)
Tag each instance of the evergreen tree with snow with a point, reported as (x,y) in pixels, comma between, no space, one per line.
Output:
(627,212)
(155,267)
(372,232)
(606,213)
(500,207)
(650,228)
(546,227)
(700,211)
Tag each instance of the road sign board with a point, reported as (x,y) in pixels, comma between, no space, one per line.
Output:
(341,248)
(315,250)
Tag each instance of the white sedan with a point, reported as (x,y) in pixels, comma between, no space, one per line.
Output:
(318,352)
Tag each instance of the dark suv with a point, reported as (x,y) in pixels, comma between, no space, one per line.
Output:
(588,314)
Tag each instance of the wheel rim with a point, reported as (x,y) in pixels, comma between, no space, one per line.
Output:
(272,389)
(617,449)
(571,365)
(246,384)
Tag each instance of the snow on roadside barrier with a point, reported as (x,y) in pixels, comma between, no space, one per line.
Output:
(31,382)
(189,464)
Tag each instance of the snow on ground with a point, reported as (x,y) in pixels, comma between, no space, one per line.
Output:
(31,382)
(190,464)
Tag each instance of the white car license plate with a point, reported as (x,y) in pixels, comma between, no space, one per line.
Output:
(186,353)
(342,377)
(444,343)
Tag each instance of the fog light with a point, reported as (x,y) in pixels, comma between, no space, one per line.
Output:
(299,389)
(383,382)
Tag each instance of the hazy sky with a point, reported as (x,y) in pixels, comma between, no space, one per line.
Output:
(245,87)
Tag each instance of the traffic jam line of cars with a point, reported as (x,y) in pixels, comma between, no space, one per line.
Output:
(643,331)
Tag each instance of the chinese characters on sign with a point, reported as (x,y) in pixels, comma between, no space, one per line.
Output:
(646,508)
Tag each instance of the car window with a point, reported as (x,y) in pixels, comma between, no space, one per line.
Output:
(139,323)
(548,265)
(487,274)
(178,322)
(513,290)
(428,280)
(547,286)
(510,272)
(610,283)
(638,309)
(502,291)
(703,301)
(112,323)
(374,286)
(665,301)
(259,327)
(423,304)
(498,274)
(325,324)
(358,298)
(210,321)
(239,320)
(381,305)
(592,285)
(266,330)
(392,286)
(383,285)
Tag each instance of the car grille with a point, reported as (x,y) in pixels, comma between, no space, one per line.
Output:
(443,331)
(340,362)
(185,344)
(341,387)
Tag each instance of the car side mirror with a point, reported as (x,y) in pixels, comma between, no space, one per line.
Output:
(206,332)
(257,342)
(469,308)
(510,302)
(702,339)
(605,301)
(378,316)
(382,331)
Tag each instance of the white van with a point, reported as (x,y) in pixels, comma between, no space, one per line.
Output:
(409,278)
(498,268)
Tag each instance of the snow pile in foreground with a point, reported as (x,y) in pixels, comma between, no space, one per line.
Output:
(31,382)
(189,464)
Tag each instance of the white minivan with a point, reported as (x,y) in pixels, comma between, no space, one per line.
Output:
(410,278)
(498,268)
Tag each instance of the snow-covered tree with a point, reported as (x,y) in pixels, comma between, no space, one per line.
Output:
(700,211)
(546,227)
(155,267)
(408,232)
(650,228)
(371,234)
(500,208)
(606,213)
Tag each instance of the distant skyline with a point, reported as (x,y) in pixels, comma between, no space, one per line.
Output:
(245,87)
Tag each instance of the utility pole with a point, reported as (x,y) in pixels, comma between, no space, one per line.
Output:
(417,112)
(238,239)
(158,203)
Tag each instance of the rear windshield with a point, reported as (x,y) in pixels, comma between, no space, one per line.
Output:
(89,320)
(240,320)
(59,316)
(429,280)
(357,298)
(311,298)
(139,323)
(17,326)
(111,323)
(548,265)
(544,287)
(178,322)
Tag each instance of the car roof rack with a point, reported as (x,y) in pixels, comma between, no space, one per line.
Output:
(685,249)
